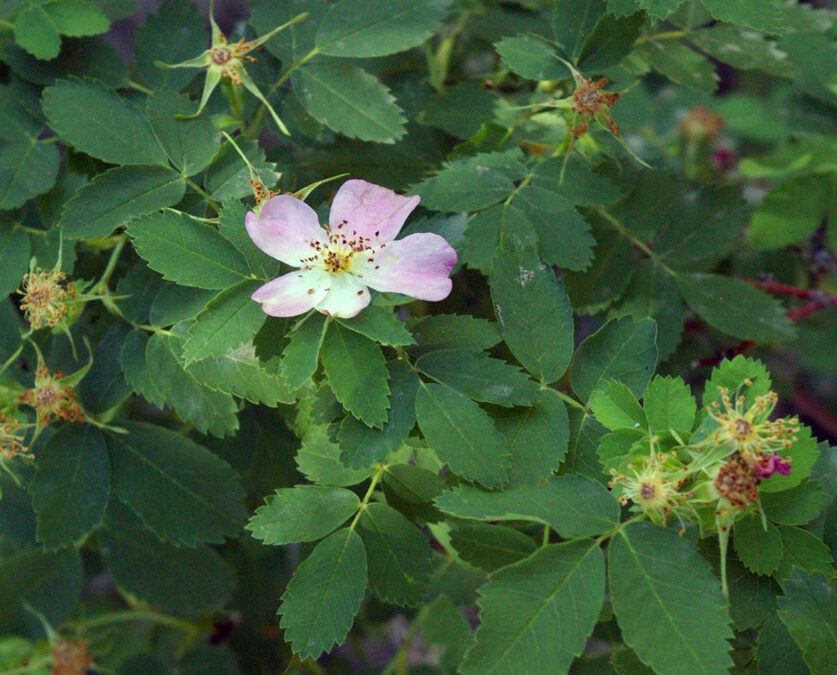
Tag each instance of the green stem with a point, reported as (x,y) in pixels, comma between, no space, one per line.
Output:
(139,615)
(641,245)
(668,35)
(110,267)
(398,662)
(546,531)
(378,473)
(569,399)
(14,355)
(140,88)
(256,122)
(203,193)
(723,541)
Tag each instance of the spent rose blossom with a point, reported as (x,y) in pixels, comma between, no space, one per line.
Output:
(357,250)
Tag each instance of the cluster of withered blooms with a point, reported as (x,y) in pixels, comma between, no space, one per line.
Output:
(70,657)
(11,438)
(51,397)
(45,297)
(722,471)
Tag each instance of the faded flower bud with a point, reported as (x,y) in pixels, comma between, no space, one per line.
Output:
(11,442)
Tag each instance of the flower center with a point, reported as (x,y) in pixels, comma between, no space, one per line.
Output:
(742,428)
(220,56)
(335,255)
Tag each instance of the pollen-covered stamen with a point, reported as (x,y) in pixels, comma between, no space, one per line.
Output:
(336,254)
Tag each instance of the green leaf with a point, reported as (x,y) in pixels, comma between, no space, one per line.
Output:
(479,377)
(460,110)
(667,603)
(763,15)
(324,594)
(443,624)
(462,435)
(731,373)
(622,350)
(381,325)
(357,373)
(651,294)
(231,225)
(362,446)
(302,513)
(813,55)
(668,404)
(659,9)
(580,185)
(363,28)
(536,436)
(610,41)
(14,257)
(796,506)
(114,197)
(27,168)
(189,143)
(572,21)
(240,373)
(790,212)
(228,177)
(207,409)
(564,237)
(491,547)
(607,277)
(776,651)
(471,183)
(71,487)
(186,251)
(49,582)
(135,367)
(177,579)
(573,505)
(180,490)
(805,551)
(37,33)
(349,100)
(229,320)
(743,49)
(809,610)
(533,312)
(759,549)
(681,65)
(96,120)
(319,460)
(531,58)
(398,555)
(173,303)
(77,17)
(454,331)
(299,359)
(536,615)
(411,490)
(615,406)
(176,32)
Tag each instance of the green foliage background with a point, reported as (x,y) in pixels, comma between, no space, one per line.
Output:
(389,482)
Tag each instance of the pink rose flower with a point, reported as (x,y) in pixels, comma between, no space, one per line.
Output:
(339,262)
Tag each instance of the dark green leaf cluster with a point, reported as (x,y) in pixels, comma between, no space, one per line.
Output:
(516,479)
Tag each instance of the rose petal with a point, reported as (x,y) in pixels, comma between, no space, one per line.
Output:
(417,265)
(293,293)
(372,211)
(346,297)
(285,229)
